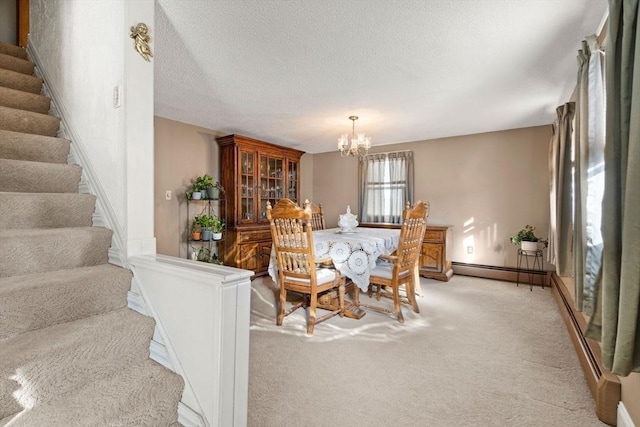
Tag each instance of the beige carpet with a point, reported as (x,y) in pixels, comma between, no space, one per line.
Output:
(480,353)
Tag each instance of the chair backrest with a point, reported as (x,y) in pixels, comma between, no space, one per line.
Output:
(414,225)
(292,239)
(317,217)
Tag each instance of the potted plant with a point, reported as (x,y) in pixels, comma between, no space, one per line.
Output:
(201,184)
(215,190)
(196,231)
(206,221)
(216,227)
(527,239)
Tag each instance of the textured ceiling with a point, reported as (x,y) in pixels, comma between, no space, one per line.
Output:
(291,72)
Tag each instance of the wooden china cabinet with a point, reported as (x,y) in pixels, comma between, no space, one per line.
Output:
(253,173)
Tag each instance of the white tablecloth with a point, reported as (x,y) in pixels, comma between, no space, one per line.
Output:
(354,254)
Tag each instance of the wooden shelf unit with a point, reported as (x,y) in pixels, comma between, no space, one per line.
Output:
(253,172)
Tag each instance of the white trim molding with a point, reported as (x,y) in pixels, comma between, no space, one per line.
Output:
(202,317)
(624,419)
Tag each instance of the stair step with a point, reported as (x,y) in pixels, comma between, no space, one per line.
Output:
(37,301)
(62,358)
(20,65)
(17,120)
(46,210)
(144,394)
(38,177)
(13,50)
(19,81)
(22,100)
(35,148)
(42,250)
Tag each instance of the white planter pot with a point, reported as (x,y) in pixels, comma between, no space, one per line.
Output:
(217,236)
(529,246)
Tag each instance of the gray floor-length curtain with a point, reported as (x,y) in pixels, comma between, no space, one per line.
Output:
(560,233)
(588,172)
(616,321)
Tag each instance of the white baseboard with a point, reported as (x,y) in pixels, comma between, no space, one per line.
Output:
(624,419)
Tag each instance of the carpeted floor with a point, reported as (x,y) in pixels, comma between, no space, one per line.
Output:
(480,353)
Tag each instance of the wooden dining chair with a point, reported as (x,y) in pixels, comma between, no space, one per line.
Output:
(291,231)
(398,269)
(317,217)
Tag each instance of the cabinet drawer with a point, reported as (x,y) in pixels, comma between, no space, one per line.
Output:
(254,235)
(434,235)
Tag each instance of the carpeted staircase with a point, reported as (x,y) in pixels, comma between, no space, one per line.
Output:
(71,352)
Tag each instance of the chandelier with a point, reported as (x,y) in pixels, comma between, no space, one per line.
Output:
(359,146)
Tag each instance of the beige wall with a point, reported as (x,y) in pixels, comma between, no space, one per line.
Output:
(182,152)
(487,186)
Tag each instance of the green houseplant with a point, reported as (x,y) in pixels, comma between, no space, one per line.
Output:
(527,234)
(215,190)
(201,184)
(216,227)
(206,221)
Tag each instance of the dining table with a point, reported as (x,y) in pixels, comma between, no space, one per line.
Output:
(354,253)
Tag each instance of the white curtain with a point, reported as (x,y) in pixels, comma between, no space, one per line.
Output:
(386,184)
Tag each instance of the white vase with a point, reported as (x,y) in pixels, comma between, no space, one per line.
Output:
(528,246)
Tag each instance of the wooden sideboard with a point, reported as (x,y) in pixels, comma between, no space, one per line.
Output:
(253,173)
(435,262)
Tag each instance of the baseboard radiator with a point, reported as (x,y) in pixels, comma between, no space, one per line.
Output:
(604,386)
(508,274)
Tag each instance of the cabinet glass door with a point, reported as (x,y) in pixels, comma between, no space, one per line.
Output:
(292,181)
(271,183)
(247,187)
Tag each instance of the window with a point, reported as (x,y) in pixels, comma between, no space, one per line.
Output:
(386,184)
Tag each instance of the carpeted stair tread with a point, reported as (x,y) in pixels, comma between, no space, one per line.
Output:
(58,359)
(34,148)
(19,81)
(13,50)
(41,250)
(45,210)
(37,301)
(38,177)
(13,63)
(146,394)
(17,120)
(22,100)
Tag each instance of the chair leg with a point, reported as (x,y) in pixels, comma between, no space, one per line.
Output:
(396,304)
(341,299)
(283,301)
(356,295)
(411,295)
(312,314)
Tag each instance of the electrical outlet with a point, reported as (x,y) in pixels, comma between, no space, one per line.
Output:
(469,249)
(167,195)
